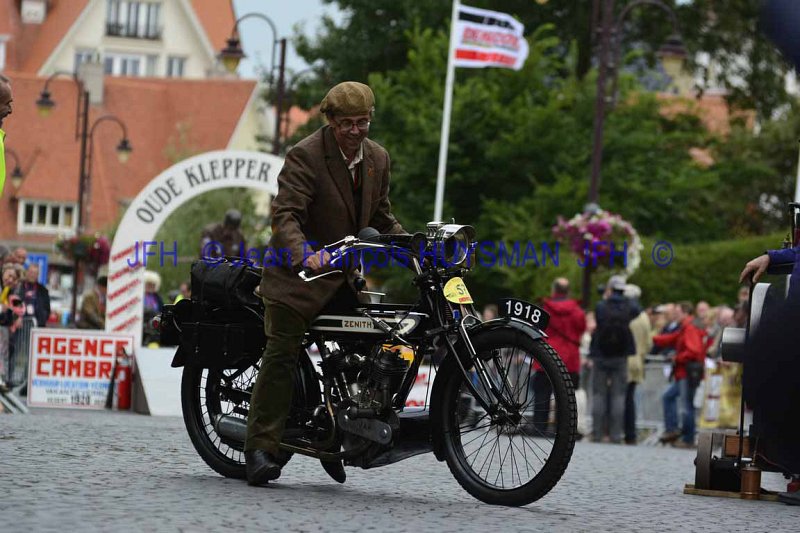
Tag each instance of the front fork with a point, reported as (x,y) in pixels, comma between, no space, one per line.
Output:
(499,401)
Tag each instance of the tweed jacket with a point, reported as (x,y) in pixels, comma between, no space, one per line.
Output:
(91,314)
(314,207)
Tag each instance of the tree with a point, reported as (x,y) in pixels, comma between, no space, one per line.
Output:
(520,146)
(721,36)
(740,57)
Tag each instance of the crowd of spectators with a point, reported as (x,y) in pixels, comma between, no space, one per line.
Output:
(22,298)
(25,303)
(611,345)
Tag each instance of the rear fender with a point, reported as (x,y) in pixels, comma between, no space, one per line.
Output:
(179,359)
(449,369)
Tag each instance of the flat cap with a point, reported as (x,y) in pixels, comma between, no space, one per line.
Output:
(348,98)
(617,283)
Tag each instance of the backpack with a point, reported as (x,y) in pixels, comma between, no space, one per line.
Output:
(614,334)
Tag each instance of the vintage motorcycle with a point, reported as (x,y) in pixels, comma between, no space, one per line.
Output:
(501,442)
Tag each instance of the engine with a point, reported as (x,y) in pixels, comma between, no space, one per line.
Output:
(381,378)
(369,382)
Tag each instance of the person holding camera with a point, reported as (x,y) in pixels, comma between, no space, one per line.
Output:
(688,363)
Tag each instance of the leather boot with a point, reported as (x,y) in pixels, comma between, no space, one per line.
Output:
(261,467)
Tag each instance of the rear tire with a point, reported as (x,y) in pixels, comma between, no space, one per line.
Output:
(511,444)
(204,395)
(201,401)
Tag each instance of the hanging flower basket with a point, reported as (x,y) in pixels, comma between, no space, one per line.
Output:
(94,250)
(601,239)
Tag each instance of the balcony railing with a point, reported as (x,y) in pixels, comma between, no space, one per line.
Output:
(120,30)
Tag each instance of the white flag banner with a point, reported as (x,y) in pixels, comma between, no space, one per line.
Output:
(488,39)
(478,38)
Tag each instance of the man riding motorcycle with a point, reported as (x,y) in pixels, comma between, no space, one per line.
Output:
(333,183)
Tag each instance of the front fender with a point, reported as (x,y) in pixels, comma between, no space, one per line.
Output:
(449,369)
(514,323)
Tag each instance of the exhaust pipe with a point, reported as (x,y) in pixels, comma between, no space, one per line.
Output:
(231,427)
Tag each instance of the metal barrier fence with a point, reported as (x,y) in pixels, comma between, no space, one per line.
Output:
(15,352)
(649,407)
(14,356)
(5,336)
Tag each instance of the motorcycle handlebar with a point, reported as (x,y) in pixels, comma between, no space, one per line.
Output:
(342,247)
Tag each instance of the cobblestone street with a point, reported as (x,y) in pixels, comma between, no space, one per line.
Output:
(98,471)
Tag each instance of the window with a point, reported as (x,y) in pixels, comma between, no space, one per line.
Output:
(46,217)
(2,53)
(175,66)
(84,56)
(123,65)
(131,18)
(152,63)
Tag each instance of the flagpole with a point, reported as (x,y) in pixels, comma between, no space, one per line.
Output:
(448,105)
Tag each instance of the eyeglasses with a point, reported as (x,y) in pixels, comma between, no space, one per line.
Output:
(347,124)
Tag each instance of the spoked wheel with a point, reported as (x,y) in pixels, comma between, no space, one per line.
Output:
(511,456)
(206,394)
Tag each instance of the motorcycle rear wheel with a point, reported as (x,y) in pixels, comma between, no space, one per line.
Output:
(511,462)
(201,400)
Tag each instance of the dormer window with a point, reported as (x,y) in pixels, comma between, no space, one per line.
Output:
(133,19)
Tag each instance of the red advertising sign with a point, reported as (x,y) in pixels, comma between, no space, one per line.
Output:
(72,368)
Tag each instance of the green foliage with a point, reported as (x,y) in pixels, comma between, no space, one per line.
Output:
(742,60)
(524,138)
(703,271)
(758,174)
(375,37)
(520,142)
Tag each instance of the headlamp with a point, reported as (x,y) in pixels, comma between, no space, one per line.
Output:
(452,242)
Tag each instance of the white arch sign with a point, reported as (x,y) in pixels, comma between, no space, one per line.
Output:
(148,211)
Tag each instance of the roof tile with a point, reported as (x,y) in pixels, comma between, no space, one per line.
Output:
(217,18)
(167,120)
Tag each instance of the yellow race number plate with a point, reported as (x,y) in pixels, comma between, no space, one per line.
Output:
(456,291)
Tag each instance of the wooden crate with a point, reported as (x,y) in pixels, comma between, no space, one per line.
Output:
(730,448)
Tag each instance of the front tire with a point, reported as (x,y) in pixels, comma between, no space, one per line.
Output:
(510,462)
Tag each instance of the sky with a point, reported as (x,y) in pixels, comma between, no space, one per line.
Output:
(257,35)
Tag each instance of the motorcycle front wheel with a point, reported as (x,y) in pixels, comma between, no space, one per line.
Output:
(517,458)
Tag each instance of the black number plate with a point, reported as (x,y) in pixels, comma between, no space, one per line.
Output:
(527,312)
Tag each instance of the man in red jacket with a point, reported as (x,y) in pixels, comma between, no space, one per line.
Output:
(567,324)
(689,342)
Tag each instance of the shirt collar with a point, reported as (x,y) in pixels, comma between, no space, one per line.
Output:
(357,159)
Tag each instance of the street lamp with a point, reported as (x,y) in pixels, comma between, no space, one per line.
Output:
(233,53)
(84,132)
(45,104)
(608,30)
(124,148)
(16,175)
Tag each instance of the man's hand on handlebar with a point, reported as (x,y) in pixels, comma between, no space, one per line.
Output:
(756,268)
(318,261)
